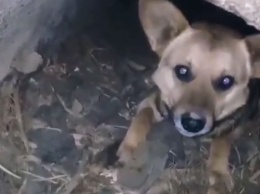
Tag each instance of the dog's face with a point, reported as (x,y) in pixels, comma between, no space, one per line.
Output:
(204,70)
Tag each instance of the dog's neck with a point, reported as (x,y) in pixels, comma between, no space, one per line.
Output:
(230,122)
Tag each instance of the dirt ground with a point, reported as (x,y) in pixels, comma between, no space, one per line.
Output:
(62,125)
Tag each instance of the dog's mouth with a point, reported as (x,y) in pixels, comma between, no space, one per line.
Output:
(189,123)
(198,123)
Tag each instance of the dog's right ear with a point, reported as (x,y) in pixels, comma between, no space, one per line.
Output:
(253,46)
(162,22)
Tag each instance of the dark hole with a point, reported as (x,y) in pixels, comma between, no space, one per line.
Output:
(108,157)
(117,23)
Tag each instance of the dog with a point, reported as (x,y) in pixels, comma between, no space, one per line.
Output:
(206,84)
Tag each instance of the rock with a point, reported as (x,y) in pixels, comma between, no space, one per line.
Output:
(23,25)
(60,144)
(28,62)
(246,9)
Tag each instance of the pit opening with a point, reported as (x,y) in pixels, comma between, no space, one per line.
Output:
(74,110)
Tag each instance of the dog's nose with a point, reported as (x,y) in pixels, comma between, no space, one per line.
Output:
(193,122)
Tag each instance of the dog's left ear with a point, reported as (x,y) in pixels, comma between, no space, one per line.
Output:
(253,45)
(162,22)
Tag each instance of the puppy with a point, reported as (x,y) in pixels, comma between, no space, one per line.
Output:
(205,81)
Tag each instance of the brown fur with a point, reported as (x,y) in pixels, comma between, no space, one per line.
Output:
(210,51)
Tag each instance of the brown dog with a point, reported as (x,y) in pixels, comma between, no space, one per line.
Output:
(203,79)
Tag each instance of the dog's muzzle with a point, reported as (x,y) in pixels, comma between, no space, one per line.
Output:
(189,124)
(193,125)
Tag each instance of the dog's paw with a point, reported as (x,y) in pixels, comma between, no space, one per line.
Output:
(125,152)
(219,180)
(133,139)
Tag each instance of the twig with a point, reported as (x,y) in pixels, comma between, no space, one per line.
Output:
(20,120)
(60,187)
(253,178)
(78,176)
(238,154)
(50,178)
(9,172)
(65,106)
(21,190)
(39,177)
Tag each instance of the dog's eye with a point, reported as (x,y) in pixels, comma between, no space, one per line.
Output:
(183,73)
(225,82)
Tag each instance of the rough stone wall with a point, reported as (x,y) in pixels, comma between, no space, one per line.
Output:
(246,9)
(23,23)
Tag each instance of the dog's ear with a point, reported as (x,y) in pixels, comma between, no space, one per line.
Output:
(253,45)
(161,21)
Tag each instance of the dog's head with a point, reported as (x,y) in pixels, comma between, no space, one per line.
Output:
(204,70)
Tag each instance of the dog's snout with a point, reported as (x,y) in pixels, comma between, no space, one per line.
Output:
(193,122)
